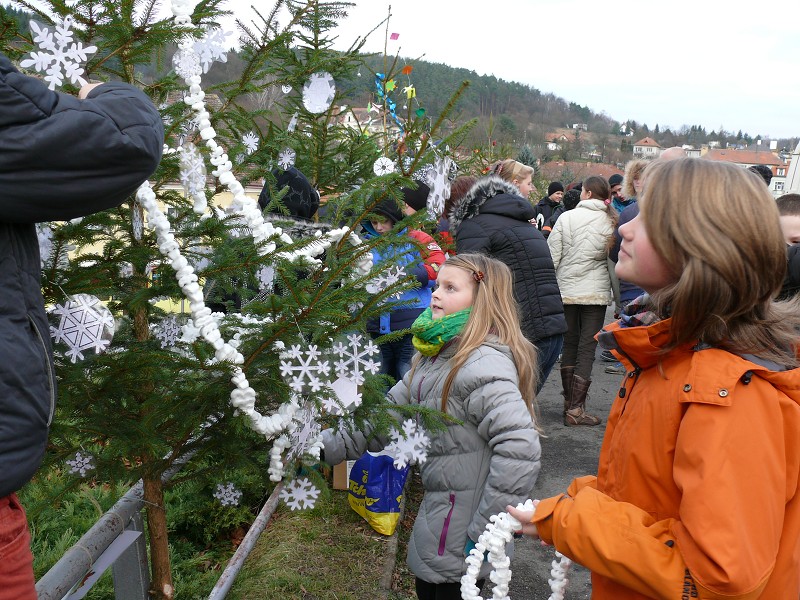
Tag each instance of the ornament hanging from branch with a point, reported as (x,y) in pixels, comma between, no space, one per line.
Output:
(318,92)
(61,54)
(84,324)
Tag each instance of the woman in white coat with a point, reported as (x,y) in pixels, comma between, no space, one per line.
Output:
(579,245)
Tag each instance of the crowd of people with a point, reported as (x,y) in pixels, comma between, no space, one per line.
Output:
(697,492)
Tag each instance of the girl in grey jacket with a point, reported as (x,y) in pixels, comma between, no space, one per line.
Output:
(475,365)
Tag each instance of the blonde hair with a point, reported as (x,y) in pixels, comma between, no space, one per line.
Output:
(510,170)
(700,215)
(634,169)
(494,311)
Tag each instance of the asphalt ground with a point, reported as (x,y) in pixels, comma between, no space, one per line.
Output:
(567,452)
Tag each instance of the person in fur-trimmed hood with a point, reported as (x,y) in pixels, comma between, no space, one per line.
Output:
(494,218)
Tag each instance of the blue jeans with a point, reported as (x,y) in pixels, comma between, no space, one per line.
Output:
(396,357)
(549,348)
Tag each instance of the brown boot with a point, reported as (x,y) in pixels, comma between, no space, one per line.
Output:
(567,374)
(576,414)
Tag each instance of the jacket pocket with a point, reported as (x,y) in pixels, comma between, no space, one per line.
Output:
(49,368)
(446,526)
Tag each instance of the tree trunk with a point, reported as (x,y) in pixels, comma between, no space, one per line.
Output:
(161,574)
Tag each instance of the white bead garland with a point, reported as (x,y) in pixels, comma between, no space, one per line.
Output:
(499,532)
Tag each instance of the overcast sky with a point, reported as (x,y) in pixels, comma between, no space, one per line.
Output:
(732,63)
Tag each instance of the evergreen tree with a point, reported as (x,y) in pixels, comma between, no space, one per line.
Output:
(526,156)
(155,398)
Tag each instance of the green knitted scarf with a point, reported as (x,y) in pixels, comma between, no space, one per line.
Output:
(431,334)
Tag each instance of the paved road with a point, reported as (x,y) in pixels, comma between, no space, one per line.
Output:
(567,452)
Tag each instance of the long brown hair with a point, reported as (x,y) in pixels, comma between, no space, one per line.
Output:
(494,311)
(699,216)
(601,191)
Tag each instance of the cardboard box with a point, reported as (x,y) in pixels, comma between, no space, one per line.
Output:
(341,475)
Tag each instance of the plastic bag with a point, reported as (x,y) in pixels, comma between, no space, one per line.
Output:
(376,490)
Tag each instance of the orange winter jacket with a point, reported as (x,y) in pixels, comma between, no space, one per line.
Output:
(696,494)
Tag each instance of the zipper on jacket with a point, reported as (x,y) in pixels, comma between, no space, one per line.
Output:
(49,366)
(624,390)
(443,537)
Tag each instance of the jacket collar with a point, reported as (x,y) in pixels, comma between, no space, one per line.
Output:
(712,372)
(485,189)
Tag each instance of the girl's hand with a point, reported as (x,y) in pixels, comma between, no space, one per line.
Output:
(524,517)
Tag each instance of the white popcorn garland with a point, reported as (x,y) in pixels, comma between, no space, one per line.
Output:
(499,532)
(243,396)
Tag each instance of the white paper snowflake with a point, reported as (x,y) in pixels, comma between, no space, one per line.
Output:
(383,166)
(305,366)
(61,54)
(345,398)
(85,324)
(227,494)
(250,141)
(81,464)
(286,158)
(186,63)
(386,279)
(213,46)
(137,221)
(193,170)
(438,179)
(355,358)
(303,432)
(409,446)
(45,235)
(293,123)
(286,88)
(300,494)
(318,92)
(167,331)
(266,278)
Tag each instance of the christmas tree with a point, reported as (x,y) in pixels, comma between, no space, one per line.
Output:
(148,373)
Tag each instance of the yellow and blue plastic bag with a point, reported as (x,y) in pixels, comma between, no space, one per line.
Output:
(376,490)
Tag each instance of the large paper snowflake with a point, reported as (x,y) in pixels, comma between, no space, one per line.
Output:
(81,464)
(439,182)
(304,367)
(300,494)
(386,279)
(408,446)
(186,63)
(213,46)
(355,358)
(227,494)
(61,54)
(167,331)
(318,92)
(303,432)
(85,324)
(250,141)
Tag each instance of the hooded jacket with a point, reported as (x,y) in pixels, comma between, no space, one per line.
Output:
(545,210)
(494,219)
(60,158)
(579,247)
(698,488)
(474,467)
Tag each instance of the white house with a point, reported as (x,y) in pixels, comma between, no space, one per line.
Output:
(647,148)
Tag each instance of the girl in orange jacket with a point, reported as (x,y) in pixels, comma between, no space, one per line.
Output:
(697,493)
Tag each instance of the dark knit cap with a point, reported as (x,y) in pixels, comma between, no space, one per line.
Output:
(554,187)
(416,198)
(388,208)
(615,179)
(301,199)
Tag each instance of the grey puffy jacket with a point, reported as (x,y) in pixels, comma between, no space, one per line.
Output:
(473,469)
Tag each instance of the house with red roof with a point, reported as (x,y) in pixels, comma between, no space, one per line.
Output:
(647,148)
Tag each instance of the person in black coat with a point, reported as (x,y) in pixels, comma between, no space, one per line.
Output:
(494,219)
(61,157)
